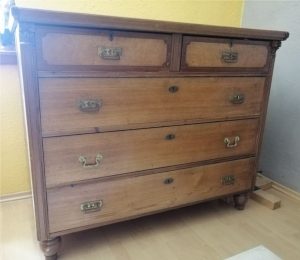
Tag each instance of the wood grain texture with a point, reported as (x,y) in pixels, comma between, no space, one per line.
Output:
(136,150)
(201,52)
(110,22)
(143,132)
(266,198)
(138,101)
(176,48)
(120,198)
(76,49)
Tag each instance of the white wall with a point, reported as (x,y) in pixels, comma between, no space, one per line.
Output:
(280,157)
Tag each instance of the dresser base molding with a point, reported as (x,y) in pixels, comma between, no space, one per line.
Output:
(50,248)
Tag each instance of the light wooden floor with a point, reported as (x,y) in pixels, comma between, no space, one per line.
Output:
(212,230)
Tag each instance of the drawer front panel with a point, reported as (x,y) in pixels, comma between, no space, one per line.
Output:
(74,158)
(85,105)
(200,53)
(105,50)
(108,201)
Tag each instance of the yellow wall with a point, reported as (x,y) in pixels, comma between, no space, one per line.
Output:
(13,156)
(225,12)
(14,169)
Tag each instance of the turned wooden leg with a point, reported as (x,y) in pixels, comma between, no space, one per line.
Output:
(240,200)
(50,248)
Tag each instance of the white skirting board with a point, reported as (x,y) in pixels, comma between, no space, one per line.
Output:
(256,253)
(15,196)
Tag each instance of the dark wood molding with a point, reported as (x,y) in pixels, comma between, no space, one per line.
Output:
(109,22)
(275,45)
(28,73)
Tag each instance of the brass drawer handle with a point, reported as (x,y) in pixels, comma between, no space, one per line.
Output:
(237,99)
(84,164)
(168,181)
(229,144)
(170,137)
(228,180)
(229,56)
(173,89)
(91,206)
(110,53)
(90,105)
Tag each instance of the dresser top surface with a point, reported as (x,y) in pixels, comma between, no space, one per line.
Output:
(45,17)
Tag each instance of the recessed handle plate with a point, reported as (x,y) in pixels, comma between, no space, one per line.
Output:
(91,206)
(229,56)
(110,53)
(90,105)
(228,180)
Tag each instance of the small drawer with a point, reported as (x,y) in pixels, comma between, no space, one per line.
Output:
(79,157)
(84,105)
(78,49)
(200,53)
(109,201)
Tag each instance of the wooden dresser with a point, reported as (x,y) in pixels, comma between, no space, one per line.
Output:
(128,117)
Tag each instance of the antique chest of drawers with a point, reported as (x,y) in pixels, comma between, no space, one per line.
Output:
(129,117)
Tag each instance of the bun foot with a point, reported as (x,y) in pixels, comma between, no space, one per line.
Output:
(51,257)
(240,200)
(50,248)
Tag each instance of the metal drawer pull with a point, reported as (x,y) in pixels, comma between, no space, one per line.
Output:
(229,57)
(173,89)
(168,181)
(229,144)
(110,53)
(90,105)
(170,137)
(228,180)
(84,164)
(237,99)
(91,206)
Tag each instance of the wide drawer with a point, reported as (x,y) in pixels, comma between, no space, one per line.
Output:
(103,202)
(77,49)
(74,158)
(90,105)
(200,53)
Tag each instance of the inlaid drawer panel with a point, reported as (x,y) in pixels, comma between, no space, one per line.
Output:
(106,50)
(200,53)
(108,201)
(90,105)
(74,158)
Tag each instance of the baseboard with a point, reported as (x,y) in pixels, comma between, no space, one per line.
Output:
(15,196)
(283,189)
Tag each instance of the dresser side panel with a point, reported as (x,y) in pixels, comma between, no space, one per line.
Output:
(25,38)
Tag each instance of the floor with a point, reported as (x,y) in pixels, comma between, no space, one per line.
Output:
(212,230)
